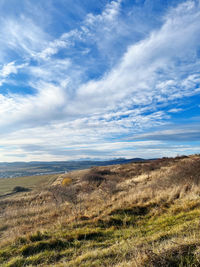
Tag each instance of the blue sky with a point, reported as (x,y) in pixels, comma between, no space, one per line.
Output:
(99,79)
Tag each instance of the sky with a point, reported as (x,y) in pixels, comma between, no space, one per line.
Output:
(99,79)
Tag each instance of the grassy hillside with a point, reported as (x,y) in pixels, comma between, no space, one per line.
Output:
(138,214)
(30,182)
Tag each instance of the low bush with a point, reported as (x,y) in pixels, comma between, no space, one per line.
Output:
(66,181)
(96,176)
(17,189)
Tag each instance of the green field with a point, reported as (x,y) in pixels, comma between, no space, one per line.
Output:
(30,182)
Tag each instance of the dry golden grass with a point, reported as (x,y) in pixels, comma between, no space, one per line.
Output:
(138,214)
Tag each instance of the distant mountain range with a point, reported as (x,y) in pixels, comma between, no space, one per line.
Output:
(17,169)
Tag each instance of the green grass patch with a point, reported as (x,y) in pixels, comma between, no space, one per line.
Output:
(37,247)
(8,184)
(38,236)
(111,240)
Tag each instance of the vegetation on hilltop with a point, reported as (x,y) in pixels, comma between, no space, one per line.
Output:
(138,214)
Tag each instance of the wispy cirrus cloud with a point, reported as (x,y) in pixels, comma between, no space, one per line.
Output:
(22,37)
(8,69)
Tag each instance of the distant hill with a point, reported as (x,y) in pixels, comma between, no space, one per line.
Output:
(17,169)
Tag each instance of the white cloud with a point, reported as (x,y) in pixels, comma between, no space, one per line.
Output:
(92,28)
(108,15)
(21,36)
(175,110)
(139,69)
(10,68)
(52,49)
(51,70)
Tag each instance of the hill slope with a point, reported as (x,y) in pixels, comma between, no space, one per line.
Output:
(138,214)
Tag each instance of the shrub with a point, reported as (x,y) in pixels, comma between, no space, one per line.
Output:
(186,172)
(17,189)
(66,181)
(95,176)
(182,173)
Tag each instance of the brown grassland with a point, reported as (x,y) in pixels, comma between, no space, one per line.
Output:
(137,214)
